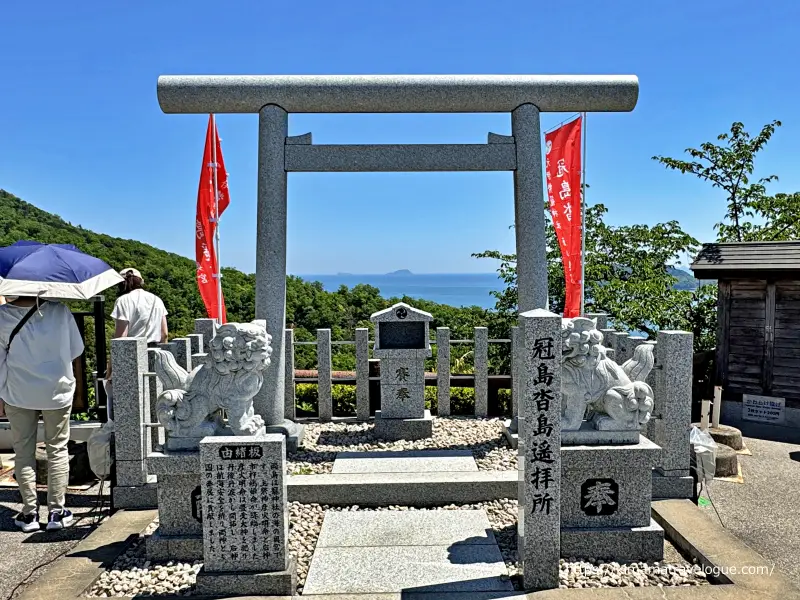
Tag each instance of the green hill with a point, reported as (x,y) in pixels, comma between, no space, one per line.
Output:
(172,277)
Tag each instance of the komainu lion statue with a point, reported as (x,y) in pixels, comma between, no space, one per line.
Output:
(612,397)
(191,405)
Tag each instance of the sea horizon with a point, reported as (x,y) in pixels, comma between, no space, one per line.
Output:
(454,289)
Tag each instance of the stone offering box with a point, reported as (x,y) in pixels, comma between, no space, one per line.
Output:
(402,343)
(605,502)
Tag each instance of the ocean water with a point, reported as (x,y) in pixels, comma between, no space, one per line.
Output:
(455,289)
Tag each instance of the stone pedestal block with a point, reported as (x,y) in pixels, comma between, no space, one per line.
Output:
(184,548)
(607,486)
(587,435)
(617,544)
(668,487)
(403,429)
(275,583)
(180,530)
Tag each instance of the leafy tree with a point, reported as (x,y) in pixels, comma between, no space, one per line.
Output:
(729,166)
(627,276)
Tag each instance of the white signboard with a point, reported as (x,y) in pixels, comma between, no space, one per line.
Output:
(763,409)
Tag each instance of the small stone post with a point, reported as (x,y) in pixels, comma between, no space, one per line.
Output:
(539,521)
(602,319)
(183,352)
(170,347)
(324,392)
(155,387)
(481,358)
(289,410)
(245,517)
(516,390)
(196,343)
(208,329)
(673,399)
(131,407)
(362,373)
(443,371)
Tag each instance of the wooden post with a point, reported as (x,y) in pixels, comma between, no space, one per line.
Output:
(704,414)
(717,406)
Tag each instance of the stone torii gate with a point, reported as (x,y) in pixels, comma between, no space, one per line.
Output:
(273,97)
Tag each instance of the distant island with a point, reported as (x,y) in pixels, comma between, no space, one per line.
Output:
(404,272)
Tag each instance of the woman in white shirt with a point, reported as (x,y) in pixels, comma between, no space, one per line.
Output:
(36,376)
(138,313)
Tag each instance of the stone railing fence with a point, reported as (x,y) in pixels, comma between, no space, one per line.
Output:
(136,387)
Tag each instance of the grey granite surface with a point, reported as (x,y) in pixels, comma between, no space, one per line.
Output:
(481,362)
(201,94)
(528,214)
(435,569)
(324,389)
(275,583)
(406,461)
(674,385)
(244,503)
(184,548)
(442,371)
(289,403)
(540,461)
(602,319)
(607,486)
(129,360)
(176,514)
(207,328)
(387,158)
(587,435)
(196,343)
(516,371)
(403,429)
(672,487)
(183,352)
(362,373)
(620,544)
(405,528)
(271,255)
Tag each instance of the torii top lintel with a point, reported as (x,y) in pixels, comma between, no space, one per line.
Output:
(199,94)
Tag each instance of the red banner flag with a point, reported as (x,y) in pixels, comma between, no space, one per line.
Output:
(564,194)
(213,178)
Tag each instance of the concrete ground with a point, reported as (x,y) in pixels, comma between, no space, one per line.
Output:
(25,556)
(764,511)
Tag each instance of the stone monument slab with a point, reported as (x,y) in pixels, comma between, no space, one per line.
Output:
(402,344)
(539,521)
(245,515)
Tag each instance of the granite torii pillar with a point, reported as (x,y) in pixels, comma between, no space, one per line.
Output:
(274,97)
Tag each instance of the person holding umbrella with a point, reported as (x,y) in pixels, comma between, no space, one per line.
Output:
(39,340)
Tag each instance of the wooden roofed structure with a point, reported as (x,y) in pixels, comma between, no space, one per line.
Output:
(758,328)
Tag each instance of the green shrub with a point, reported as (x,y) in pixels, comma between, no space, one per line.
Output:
(462,400)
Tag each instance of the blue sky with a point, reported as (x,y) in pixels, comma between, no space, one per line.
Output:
(81,133)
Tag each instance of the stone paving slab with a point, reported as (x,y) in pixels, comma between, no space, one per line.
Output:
(408,461)
(439,569)
(405,528)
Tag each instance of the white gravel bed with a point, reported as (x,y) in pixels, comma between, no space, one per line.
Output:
(132,574)
(484,437)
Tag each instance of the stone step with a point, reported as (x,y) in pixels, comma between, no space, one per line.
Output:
(406,551)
